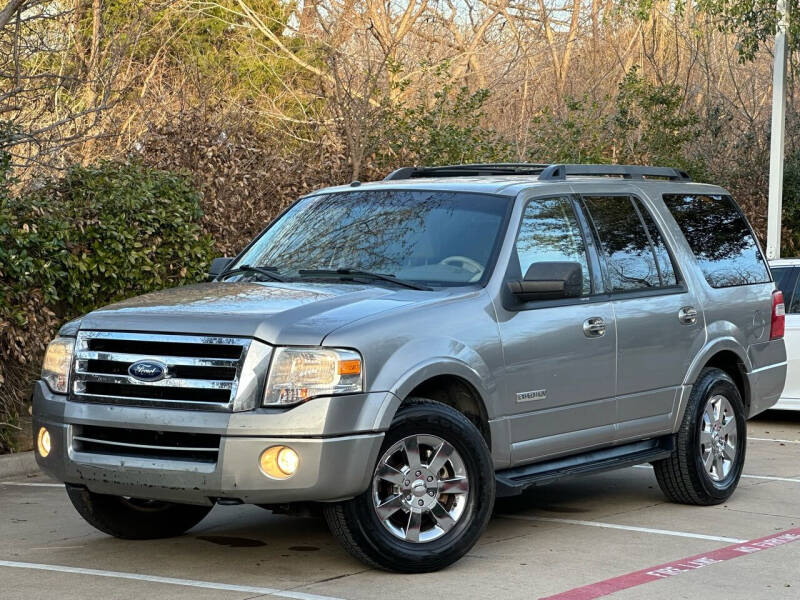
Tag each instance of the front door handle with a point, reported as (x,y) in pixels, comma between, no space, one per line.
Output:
(594,327)
(688,315)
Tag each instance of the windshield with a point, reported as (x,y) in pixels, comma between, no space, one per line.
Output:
(435,238)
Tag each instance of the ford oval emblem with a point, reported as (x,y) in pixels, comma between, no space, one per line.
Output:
(148,370)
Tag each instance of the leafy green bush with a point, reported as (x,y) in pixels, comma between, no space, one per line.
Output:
(790,239)
(582,134)
(445,130)
(96,235)
(649,125)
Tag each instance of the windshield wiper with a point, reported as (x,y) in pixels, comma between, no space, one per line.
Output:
(267,272)
(364,275)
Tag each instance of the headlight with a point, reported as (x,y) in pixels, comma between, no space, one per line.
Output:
(298,374)
(57,361)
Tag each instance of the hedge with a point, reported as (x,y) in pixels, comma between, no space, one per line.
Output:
(96,235)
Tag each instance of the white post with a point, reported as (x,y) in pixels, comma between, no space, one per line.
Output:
(775,205)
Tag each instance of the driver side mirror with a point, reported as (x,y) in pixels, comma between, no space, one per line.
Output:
(549,281)
(218,266)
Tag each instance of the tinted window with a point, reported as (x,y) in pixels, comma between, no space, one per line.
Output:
(663,260)
(438,238)
(785,278)
(550,233)
(720,239)
(636,256)
(793,300)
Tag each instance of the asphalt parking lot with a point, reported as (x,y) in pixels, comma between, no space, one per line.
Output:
(610,535)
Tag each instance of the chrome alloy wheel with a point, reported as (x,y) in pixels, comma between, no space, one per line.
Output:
(420,488)
(718,438)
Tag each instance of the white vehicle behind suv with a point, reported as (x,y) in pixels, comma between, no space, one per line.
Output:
(786,272)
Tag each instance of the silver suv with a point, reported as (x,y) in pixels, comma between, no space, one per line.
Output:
(399,353)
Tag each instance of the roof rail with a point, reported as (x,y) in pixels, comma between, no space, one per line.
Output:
(561,172)
(470,170)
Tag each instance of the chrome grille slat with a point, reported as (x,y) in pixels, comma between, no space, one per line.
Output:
(102,442)
(145,402)
(176,338)
(202,372)
(171,361)
(200,384)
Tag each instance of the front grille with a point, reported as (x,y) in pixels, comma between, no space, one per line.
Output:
(126,390)
(200,371)
(141,443)
(129,344)
(112,367)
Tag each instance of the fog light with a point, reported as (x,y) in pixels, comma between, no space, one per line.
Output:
(279,462)
(43,442)
(288,461)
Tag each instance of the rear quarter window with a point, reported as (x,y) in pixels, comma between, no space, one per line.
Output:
(720,238)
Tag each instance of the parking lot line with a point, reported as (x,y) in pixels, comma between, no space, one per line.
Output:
(677,567)
(770,478)
(684,534)
(744,476)
(25,484)
(758,439)
(167,580)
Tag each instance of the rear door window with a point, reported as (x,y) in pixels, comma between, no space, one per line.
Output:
(720,238)
(635,253)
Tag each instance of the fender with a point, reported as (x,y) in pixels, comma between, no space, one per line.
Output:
(705,354)
(441,357)
(710,349)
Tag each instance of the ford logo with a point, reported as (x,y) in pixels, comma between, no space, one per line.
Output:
(148,370)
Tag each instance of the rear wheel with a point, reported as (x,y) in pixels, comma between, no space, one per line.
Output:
(431,495)
(133,518)
(711,443)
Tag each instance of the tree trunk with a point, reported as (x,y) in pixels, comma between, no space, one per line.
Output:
(9,10)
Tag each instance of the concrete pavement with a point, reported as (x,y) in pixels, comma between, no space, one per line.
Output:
(576,533)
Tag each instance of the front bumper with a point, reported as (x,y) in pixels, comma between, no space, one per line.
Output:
(337,439)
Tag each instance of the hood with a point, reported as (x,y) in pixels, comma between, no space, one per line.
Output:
(275,312)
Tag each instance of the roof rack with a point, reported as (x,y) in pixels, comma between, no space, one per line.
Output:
(561,172)
(545,172)
(470,170)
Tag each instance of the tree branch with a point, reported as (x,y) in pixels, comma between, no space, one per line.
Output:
(10,9)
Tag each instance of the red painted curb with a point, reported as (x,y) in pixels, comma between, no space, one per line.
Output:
(670,569)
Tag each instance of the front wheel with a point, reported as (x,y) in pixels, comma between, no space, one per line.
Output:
(707,463)
(135,519)
(431,495)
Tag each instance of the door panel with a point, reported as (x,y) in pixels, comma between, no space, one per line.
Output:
(790,285)
(654,353)
(560,379)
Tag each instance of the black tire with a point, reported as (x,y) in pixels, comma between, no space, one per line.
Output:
(132,519)
(358,528)
(683,477)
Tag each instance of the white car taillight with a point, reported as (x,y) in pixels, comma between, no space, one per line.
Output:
(778,316)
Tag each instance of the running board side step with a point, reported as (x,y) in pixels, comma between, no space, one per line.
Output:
(511,482)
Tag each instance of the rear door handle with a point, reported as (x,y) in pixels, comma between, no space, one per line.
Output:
(688,315)
(594,327)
